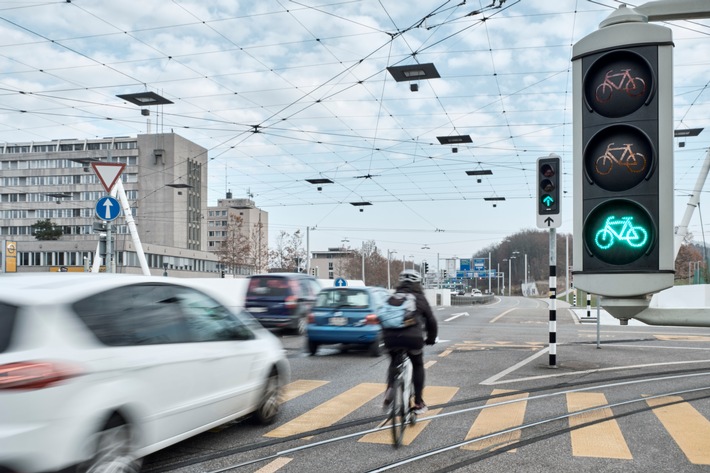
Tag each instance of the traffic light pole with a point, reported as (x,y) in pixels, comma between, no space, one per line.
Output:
(553,298)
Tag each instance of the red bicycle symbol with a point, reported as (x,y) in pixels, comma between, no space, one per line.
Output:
(634,162)
(633,86)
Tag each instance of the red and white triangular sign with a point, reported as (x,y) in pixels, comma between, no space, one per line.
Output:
(108,173)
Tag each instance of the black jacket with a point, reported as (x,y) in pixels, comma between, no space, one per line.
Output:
(413,337)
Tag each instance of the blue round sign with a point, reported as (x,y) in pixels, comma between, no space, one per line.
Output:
(340,282)
(107,208)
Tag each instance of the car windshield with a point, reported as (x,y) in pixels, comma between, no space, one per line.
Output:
(268,287)
(7,321)
(343,298)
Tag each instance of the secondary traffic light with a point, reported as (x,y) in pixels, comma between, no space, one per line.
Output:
(425,267)
(623,160)
(548,191)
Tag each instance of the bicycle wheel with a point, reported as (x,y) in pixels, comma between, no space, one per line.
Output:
(397,411)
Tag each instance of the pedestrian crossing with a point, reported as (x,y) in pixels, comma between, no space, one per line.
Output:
(688,428)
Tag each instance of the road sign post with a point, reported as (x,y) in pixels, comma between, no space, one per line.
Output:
(623,160)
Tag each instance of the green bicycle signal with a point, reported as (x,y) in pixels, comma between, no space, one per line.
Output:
(619,232)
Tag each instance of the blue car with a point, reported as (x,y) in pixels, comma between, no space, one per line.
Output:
(346,315)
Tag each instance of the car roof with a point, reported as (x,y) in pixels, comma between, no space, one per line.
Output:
(53,288)
(282,275)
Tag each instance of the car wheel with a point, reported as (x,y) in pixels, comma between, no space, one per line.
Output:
(270,403)
(375,348)
(302,326)
(112,449)
(312,347)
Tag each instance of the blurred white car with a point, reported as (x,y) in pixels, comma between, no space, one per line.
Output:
(98,371)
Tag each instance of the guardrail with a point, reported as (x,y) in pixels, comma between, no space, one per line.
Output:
(471,300)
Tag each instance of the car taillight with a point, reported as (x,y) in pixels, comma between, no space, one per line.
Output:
(371,319)
(311,318)
(291,302)
(30,375)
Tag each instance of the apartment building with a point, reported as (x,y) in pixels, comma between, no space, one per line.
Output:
(165,181)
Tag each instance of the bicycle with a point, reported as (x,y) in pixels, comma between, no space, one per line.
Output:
(622,230)
(634,162)
(633,86)
(401,412)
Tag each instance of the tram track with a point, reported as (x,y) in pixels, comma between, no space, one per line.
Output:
(343,431)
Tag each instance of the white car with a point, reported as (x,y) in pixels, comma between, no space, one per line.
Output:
(98,371)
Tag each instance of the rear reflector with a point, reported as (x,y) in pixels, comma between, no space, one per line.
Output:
(31,375)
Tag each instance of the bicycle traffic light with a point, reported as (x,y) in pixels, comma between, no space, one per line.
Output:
(623,160)
(548,191)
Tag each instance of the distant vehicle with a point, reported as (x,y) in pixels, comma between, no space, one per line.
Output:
(282,300)
(100,370)
(340,315)
(476,292)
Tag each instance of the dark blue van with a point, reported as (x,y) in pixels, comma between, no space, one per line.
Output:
(282,300)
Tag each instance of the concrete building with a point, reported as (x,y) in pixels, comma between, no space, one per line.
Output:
(252,224)
(332,263)
(165,180)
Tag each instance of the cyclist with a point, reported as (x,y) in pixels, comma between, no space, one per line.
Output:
(411,338)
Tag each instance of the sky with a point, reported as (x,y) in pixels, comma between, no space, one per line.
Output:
(283,91)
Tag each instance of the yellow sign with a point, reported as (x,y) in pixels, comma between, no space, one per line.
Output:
(10,256)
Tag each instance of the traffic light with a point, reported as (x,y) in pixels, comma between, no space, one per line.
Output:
(623,160)
(548,191)
(425,267)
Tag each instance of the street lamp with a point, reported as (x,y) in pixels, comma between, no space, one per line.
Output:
(389,253)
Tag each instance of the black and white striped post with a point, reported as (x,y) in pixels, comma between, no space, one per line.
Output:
(553,298)
(589,305)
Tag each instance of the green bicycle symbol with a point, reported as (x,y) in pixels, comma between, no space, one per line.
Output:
(622,230)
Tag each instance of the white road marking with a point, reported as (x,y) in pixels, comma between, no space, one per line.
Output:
(456,316)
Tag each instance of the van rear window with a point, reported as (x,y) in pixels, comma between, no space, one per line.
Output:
(268,287)
(8,314)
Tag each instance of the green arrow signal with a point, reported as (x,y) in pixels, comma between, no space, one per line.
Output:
(547,200)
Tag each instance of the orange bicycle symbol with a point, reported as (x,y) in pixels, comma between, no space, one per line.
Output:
(633,86)
(634,162)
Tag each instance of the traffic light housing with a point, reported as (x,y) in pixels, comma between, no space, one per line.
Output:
(425,267)
(548,191)
(623,160)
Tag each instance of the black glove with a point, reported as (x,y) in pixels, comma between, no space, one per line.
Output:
(430,341)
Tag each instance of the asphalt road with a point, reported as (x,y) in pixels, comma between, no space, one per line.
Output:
(493,355)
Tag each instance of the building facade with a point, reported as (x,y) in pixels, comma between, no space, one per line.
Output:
(165,182)
(238,232)
(331,264)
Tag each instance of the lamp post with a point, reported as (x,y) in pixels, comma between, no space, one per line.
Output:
(389,253)
(510,275)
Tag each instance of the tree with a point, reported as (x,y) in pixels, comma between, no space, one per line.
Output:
(288,254)
(234,249)
(46,230)
(688,261)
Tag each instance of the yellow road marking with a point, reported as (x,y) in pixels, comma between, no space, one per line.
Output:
(428,364)
(689,429)
(602,440)
(330,411)
(275,465)
(432,395)
(684,338)
(493,419)
(301,387)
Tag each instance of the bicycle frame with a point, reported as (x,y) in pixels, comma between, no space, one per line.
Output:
(401,412)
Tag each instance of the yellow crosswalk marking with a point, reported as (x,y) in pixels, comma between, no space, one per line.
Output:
(689,429)
(683,338)
(494,419)
(330,411)
(301,387)
(432,395)
(602,440)
(275,465)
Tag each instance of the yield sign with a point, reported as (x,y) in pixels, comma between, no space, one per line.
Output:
(108,173)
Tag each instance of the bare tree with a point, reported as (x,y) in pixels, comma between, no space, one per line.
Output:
(258,248)
(234,249)
(288,254)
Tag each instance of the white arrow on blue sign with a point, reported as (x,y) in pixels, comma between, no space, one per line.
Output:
(107,208)
(340,282)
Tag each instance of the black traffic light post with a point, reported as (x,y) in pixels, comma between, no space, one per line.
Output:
(623,160)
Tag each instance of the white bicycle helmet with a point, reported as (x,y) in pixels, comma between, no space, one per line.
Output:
(410,275)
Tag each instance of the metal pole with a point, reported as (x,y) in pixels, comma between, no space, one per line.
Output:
(308,249)
(498,277)
(490,267)
(553,298)
(598,322)
(526,274)
(389,284)
(109,248)
(510,273)
(567,281)
(589,305)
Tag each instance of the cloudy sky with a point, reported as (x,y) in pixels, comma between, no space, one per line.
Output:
(283,91)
